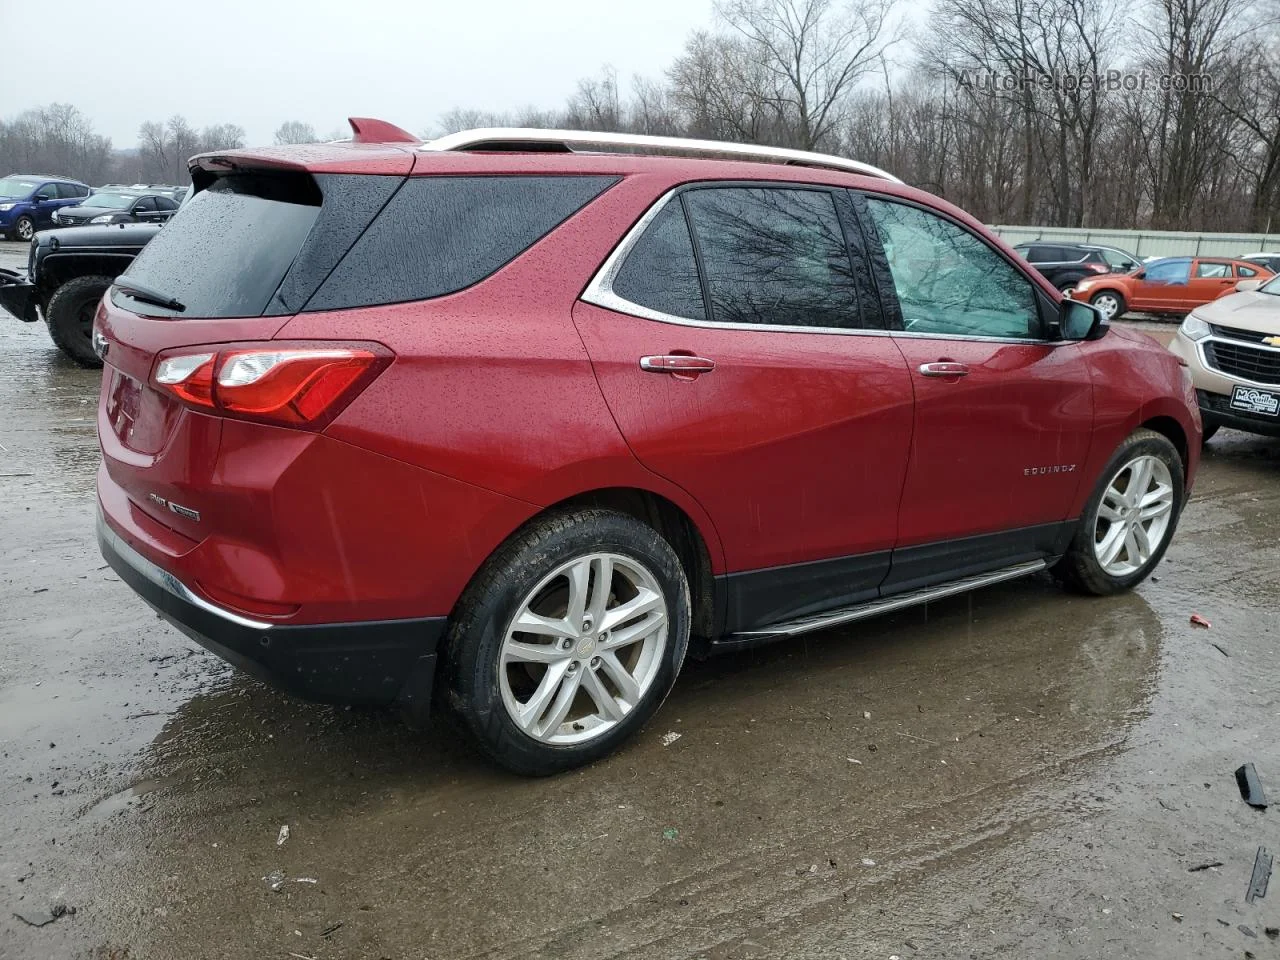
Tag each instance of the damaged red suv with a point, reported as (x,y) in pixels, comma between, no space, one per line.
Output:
(519,424)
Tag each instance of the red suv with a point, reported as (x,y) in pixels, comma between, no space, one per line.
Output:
(520,424)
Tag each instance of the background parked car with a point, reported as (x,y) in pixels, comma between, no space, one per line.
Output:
(1269,260)
(1173,285)
(1232,348)
(1065,264)
(69,271)
(117,207)
(28,202)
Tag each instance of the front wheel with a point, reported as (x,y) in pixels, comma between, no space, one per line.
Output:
(1130,518)
(1110,304)
(24,229)
(70,313)
(568,640)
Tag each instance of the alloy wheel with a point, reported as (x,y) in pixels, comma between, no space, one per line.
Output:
(583,649)
(26,230)
(1134,516)
(1108,305)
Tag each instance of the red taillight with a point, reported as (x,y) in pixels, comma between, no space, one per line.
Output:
(292,384)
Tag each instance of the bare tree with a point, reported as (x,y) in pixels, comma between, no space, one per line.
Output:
(814,53)
(295,131)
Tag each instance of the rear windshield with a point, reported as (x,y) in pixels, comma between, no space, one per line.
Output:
(279,243)
(225,254)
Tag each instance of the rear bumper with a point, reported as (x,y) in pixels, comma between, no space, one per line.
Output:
(18,296)
(377,663)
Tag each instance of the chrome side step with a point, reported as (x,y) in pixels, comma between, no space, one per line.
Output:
(873,608)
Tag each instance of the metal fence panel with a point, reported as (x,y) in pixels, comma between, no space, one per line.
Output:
(1149,243)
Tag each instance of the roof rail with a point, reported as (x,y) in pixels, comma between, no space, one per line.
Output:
(531,139)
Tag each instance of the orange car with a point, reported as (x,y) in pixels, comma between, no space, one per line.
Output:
(1171,285)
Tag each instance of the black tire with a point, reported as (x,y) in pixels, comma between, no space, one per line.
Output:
(1068,283)
(1079,568)
(24,228)
(1209,430)
(69,315)
(1121,307)
(478,629)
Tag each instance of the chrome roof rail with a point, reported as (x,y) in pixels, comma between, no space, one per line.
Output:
(528,138)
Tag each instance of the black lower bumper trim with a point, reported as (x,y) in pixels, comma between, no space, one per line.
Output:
(376,662)
(1216,411)
(18,296)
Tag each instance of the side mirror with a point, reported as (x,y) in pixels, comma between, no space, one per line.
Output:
(1080,321)
(1244,286)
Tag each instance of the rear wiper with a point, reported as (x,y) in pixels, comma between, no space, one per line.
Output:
(146,295)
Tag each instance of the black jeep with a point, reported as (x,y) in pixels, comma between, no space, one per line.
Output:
(67,273)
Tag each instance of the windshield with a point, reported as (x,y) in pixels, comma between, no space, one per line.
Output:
(14,187)
(1272,286)
(110,201)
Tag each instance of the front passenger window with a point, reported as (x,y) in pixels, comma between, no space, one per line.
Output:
(948,281)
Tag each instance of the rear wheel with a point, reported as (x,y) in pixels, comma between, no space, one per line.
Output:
(1109,303)
(70,317)
(1128,522)
(568,640)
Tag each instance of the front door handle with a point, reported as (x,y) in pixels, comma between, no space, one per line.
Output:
(944,368)
(677,364)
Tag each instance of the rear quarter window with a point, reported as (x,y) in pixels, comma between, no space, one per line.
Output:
(438,235)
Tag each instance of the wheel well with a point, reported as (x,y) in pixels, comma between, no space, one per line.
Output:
(677,529)
(56,271)
(1171,429)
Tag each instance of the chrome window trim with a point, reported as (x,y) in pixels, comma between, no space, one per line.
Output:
(599,292)
(1204,361)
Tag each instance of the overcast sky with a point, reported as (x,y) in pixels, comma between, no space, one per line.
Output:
(260,62)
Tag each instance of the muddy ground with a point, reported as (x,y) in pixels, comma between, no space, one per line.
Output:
(1018,773)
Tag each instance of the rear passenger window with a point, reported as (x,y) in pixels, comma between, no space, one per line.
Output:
(439,235)
(1246,271)
(660,272)
(773,256)
(68,191)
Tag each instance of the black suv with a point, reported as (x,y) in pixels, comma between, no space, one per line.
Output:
(67,273)
(1066,264)
(117,206)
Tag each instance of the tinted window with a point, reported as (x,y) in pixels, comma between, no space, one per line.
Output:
(227,252)
(660,272)
(438,235)
(68,191)
(164,203)
(48,192)
(773,256)
(948,280)
(145,205)
(1170,271)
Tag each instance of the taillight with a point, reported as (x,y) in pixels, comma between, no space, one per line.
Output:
(291,384)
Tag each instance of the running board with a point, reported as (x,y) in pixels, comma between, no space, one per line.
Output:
(874,608)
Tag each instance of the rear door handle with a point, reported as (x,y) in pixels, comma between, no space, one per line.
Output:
(944,368)
(677,364)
